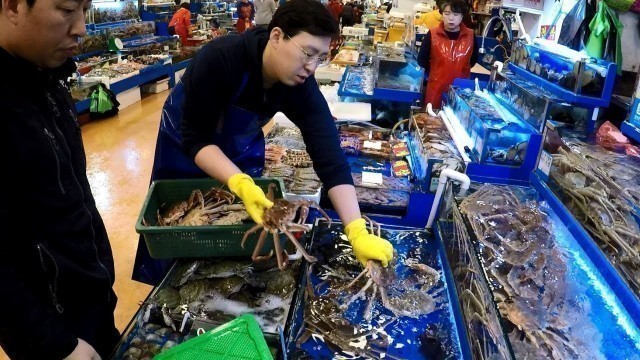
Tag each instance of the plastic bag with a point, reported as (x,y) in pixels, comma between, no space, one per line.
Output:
(103,103)
(575,26)
(609,137)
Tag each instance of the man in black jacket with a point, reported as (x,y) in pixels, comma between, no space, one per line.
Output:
(233,86)
(56,271)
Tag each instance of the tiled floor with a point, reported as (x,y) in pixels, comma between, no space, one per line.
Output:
(119,159)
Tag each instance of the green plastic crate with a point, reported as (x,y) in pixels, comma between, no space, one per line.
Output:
(166,242)
(239,339)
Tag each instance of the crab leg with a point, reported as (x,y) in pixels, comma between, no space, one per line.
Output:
(249,232)
(300,227)
(295,242)
(259,245)
(278,247)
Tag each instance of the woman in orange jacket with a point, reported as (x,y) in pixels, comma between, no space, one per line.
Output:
(180,23)
(447,51)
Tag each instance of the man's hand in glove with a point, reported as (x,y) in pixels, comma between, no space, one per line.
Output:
(368,246)
(252,196)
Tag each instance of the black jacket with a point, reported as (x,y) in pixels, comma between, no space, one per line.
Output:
(56,269)
(214,77)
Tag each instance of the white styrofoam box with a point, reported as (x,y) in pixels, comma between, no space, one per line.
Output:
(330,92)
(331,72)
(355,31)
(156,86)
(354,111)
(128,97)
(314,197)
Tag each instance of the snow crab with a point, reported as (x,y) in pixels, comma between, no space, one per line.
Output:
(198,209)
(280,218)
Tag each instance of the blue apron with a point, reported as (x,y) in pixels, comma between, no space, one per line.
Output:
(240,138)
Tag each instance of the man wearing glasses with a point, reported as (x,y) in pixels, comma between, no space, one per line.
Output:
(233,86)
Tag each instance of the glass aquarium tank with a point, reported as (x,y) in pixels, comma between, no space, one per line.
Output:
(572,72)
(402,75)
(131,29)
(512,257)
(494,134)
(530,102)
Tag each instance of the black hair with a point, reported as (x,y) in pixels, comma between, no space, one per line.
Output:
(456,6)
(310,16)
(29,4)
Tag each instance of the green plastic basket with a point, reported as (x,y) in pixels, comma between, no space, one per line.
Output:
(239,339)
(166,242)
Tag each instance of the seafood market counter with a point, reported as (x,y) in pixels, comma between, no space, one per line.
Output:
(503,275)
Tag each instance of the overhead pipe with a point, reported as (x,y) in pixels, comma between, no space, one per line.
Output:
(445,176)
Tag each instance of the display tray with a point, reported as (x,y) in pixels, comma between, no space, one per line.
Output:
(527,268)
(334,320)
(194,241)
(259,289)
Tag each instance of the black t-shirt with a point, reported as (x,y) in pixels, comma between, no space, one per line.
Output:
(424,55)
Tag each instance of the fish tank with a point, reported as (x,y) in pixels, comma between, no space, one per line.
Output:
(206,293)
(530,102)
(492,133)
(396,74)
(600,188)
(432,148)
(512,257)
(131,29)
(402,311)
(570,75)
(93,41)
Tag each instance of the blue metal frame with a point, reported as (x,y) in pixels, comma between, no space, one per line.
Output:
(453,295)
(415,217)
(83,105)
(631,130)
(626,296)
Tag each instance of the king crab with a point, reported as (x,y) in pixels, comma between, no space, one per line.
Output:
(280,218)
(197,208)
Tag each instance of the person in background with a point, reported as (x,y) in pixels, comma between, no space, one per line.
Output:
(180,23)
(430,19)
(212,121)
(335,7)
(357,13)
(246,12)
(215,29)
(264,12)
(360,7)
(388,5)
(447,51)
(347,15)
(57,273)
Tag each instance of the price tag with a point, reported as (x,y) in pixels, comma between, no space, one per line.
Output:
(545,162)
(372,178)
(166,48)
(377,145)
(400,168)
(400,149)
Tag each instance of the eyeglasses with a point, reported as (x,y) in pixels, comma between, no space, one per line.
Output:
(308,58)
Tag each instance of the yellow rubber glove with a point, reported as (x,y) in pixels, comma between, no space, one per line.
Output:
(252,196)
(368,246)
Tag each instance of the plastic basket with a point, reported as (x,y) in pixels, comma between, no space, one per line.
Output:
(238,339)
(166,242)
